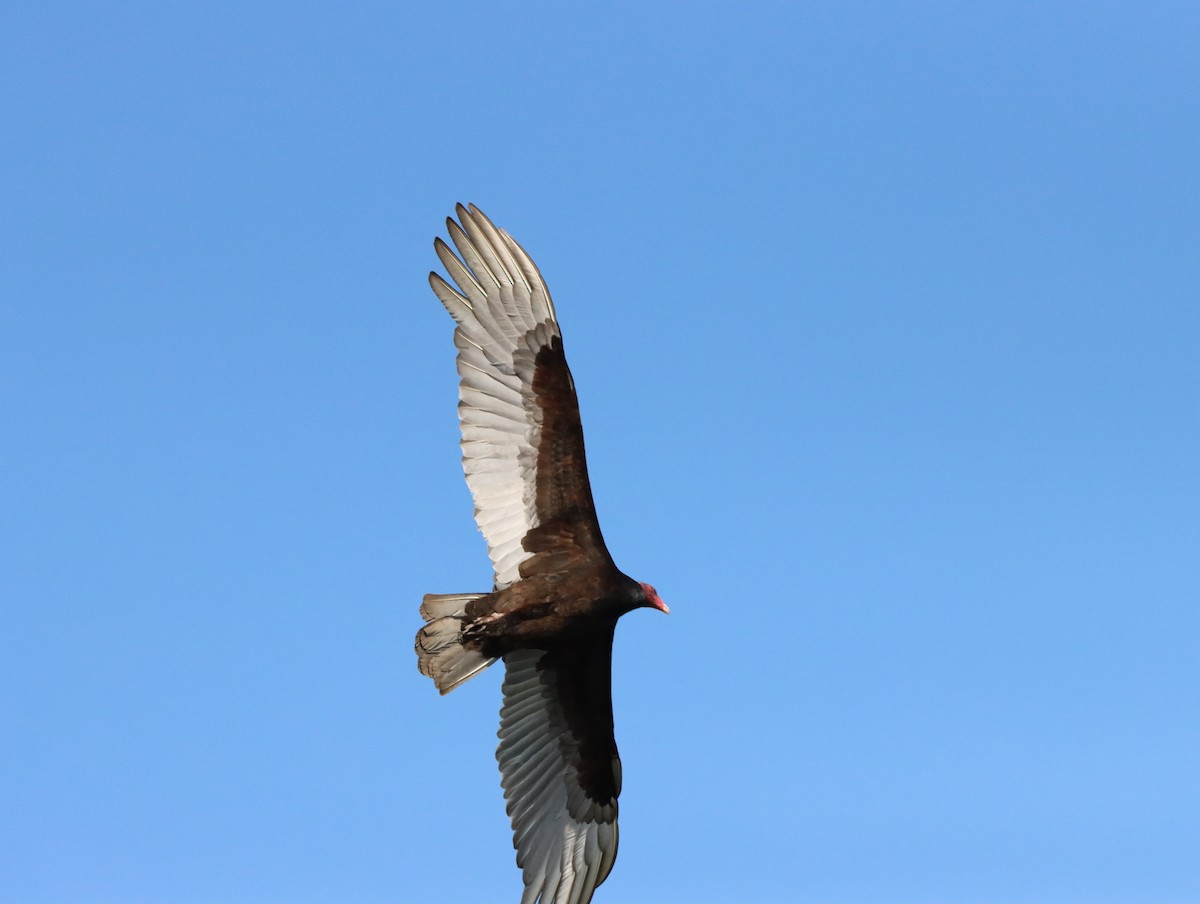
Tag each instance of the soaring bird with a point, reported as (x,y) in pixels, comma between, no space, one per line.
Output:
(557,594)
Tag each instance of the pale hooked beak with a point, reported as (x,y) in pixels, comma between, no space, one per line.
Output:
(653,599)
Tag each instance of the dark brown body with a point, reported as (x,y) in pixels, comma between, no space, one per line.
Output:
(532,615)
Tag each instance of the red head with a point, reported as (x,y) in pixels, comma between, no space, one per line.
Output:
(653,599)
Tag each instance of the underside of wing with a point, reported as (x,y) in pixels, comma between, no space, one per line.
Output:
(560,769)
(517,407)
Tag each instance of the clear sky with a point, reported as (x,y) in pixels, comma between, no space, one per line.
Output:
(886,325)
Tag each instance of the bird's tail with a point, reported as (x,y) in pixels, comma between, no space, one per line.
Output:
(440,651)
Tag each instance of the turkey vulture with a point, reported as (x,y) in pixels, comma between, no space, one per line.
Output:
(557,594)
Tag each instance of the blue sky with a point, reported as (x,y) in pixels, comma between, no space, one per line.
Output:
(886,325)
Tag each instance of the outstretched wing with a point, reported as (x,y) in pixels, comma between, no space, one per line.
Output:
(560,769)
(522,441)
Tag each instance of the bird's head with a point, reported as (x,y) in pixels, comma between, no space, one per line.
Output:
(653,600)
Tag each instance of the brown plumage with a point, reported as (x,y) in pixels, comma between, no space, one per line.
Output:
(557,594)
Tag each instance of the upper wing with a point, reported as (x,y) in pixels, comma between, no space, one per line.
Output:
(560,769)
(522,441)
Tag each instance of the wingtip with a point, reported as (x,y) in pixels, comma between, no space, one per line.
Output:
(470,211)
(480,215)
